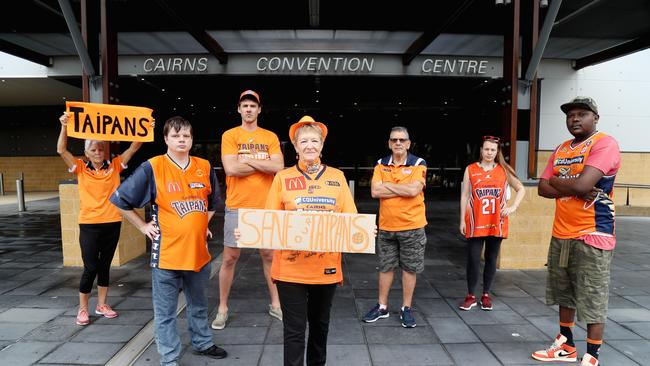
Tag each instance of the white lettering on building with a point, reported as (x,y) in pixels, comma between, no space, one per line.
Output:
(315,64)
(454,66)
(175,64)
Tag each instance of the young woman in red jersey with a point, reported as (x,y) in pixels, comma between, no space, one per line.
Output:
(484,215)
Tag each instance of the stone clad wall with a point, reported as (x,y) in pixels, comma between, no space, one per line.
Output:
(132,243)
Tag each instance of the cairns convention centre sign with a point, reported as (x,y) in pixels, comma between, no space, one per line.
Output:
(306,64)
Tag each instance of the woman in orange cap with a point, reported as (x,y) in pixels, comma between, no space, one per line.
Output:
(306,281)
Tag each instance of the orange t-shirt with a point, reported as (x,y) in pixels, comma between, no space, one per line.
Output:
(249,191)
(488,197)
(401,213)
(295,190)
(95,188)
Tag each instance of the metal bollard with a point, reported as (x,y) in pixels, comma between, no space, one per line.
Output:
(351,184)
(2,184)
(20,193)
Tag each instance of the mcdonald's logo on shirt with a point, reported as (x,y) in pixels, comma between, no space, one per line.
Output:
(295,183)
(173,187)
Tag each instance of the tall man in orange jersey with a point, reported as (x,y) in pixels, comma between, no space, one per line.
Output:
(184,194)
(250,156)
(398,181)
(580,176)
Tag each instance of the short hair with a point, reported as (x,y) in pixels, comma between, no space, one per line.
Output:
(306,128)
(177,123)
(400,129)
(89,143)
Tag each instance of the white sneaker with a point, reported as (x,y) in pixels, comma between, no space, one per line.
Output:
(275,312)
(589,360)
(220,320)
(559,351)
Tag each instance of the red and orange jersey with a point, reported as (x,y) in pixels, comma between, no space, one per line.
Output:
(488,197)
(401,213)
(95,188)
(249,191)
(180,201)
(575,217)
(295,190)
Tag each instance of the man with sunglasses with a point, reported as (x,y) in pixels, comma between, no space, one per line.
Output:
(398,181)
(580,176)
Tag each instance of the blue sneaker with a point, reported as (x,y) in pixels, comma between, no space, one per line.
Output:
(375,313)
(408,321)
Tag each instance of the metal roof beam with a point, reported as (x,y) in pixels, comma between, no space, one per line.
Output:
(25,53)
(200,35)
(544,34)
(78,41)
(635,45)
(314,13)
(429,36)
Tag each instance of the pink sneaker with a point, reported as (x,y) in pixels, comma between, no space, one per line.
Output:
(82,317)
(106,311)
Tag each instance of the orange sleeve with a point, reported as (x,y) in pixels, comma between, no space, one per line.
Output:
(228,144)
(274,146)
(78,167)
(376,174)
(420,174)
(117,163)
(274,197)
(347,202)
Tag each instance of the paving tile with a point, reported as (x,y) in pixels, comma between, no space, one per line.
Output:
(272,355)
(249,305)
(452,330)
(640,328)
(550,326)
(27,315)
(247,319)
(409,355)
(643,301)
(434,308)
(149,357)
(128,317)
(345,355)
(133,303)
(26,352)
(422,334)
(509,333)
(52,302)
(625,353)
(106,333)
(471,354)
(274,336)
(240,335)
(516,353)
(345,331)
(620,302)
(83,353)
(528,306)
(629,315)
(476,316)
(50,332)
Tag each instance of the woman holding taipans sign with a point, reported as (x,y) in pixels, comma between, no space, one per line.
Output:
(306,281)
(99,220)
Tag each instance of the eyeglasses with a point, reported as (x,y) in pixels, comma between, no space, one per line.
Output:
(394,140)
(491,138)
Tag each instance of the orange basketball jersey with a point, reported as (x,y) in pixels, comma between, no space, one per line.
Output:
(488,197)
(180,201)
(574,216)
(295,190)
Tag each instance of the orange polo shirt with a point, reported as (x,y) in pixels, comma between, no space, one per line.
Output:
(401,213)
(249,191)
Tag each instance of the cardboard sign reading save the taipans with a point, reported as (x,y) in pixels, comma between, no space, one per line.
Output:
(306,230)
(109,122)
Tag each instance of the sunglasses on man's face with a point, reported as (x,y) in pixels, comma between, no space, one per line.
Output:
(394,140)
(491,138)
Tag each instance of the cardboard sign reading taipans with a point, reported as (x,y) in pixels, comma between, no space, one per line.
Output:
(306,230)
(109,122)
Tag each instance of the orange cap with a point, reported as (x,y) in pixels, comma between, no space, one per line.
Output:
(250,94)
(306,120)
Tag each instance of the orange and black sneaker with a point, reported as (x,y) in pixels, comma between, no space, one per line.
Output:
(559,351)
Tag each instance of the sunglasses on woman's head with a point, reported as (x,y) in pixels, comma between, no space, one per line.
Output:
(491,138)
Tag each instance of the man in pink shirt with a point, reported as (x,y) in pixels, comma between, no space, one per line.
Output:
(580,177)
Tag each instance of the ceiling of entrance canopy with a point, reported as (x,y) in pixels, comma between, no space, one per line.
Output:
(583,27)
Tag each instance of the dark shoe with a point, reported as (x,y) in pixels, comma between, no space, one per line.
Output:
(408,321)
(213,352)
(486,302)
(375,313)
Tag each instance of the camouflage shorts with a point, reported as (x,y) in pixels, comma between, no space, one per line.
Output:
(578,278)
(403,248)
